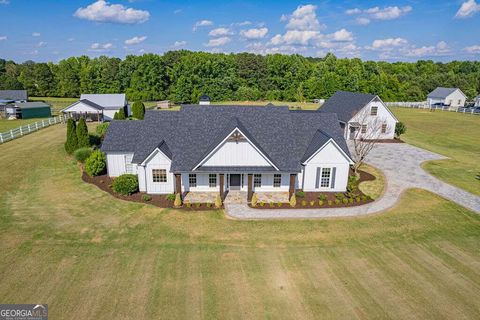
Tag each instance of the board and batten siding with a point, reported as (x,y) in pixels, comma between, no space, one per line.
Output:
(232,154)
(120,163)
(158,161)
(384,116)
(328,157)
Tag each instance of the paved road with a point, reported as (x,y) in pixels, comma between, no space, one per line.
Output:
(400,163)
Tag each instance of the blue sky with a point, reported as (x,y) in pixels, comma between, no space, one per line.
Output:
(399,30)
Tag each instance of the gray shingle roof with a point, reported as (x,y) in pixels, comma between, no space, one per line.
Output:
(16,95)
(91,104)
(441,92)
(107,100)
(346,104)
(190,134)
(31,105)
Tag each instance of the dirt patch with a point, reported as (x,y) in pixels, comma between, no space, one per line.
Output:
(104,182)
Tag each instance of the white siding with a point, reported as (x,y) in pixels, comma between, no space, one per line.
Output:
(456,99)
(116,164)
(142,183)
(108,115)
(159,161)
(383,117)
(234,154)
(81,107)
(328,157)
(202,182)
(477,102)
(267,183)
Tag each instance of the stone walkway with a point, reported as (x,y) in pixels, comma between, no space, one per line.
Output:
(401,165)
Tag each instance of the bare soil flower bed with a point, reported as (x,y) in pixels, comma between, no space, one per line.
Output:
(104,182)
(311,199)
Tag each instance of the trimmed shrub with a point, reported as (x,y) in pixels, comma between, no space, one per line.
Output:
(83,140)
(198,205)
(209,205)
(330,202)
(320,203)
(71,143)
(300,194)
(119,115)
(340,196)
(125,184)
(322,197)
(171,197)
(293,200)
(279,204)
(304,203)
(146,197)
(188,204)
(337,202)
(400,128)
(358,199)
(350,200)
(178,200)
(101,129)
(218,202)
(262,203)
(96,163)
(345,201)
(271,204)
(138,110)
(312,203)
(254,200)
(82,154)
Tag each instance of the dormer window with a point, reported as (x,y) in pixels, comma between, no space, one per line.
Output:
(374,111)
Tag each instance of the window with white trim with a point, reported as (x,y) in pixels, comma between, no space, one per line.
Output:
(159,175)
(384,128)
(257,180)
(374,111)
(212,180)
(192,180)
(277,180)
(364,128)
(325,177)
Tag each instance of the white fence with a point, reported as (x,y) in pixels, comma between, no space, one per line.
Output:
(32,127)
(424,105)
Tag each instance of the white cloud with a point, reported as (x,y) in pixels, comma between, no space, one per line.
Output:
(254,33)
(202,23)
(475,49)
(99,47)
(2,38)
(440,49)
(353,11)
(468,9)
(296,37)
(243,23)
(102,11)
(177,11)
(217,42)
(388,43)
(70,39)
(219,32)
(377,13)
(303,18)
(135,40)
(36,34)
(341,35)
(4,2)
(178,44)
(41,44)
(363,21)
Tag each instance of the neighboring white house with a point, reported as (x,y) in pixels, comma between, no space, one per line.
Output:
(98,107)
(361,115)
(477,101)
(454,98)
(222,148)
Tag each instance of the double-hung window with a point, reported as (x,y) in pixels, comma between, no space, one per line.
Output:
(384,127)
(364,128)
(277,180)
(159,175)
(374,111)
(192,180)
(212,180)
(325,177)
(257,180)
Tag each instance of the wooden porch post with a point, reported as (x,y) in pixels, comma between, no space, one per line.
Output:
(178,183)
(250,187)
(222,180)
(291,190)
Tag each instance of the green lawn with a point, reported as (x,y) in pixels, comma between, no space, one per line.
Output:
(6,125)
(302,105)
(56,103)
(90,256)
(451,134)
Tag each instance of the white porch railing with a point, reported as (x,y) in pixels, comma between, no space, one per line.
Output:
(32,127)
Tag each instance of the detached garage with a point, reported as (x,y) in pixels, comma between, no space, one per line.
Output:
(28,110)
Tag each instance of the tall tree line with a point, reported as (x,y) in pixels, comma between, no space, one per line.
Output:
(182,76)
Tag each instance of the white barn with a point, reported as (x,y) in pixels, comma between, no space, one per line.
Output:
(98,107)
(361,115)
(453,98)
(222,148)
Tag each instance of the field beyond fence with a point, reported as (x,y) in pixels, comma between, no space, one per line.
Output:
(424,105)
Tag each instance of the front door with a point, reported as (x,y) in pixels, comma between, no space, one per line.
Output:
(234,182)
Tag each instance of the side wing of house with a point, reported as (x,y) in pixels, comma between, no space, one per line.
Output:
(375,121)
(456,99)
(326,170)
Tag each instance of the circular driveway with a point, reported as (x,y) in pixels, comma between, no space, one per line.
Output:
(401,165)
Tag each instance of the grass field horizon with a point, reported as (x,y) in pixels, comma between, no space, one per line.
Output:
(88,254)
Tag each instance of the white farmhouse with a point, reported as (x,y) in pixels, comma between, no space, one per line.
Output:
(98,107)
(361,115)
(224,148)
(477,101)
(453,98)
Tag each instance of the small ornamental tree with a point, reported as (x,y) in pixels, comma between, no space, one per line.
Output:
(138,110)
(293,200)
(71,143)
(121,114)
(83,140)
(400,129)
(96,163)
(254,200)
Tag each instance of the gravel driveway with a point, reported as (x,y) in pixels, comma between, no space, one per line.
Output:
(401,165)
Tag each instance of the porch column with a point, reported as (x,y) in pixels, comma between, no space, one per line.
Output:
(178,183)
(291,190)
(222,177)
(250,187)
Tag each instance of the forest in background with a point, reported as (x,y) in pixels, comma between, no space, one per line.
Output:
(182,76)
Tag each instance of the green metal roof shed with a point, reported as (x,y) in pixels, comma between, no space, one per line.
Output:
(30,110)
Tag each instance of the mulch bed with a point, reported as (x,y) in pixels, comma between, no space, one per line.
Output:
(388,141)
(104,182)
(305,202)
